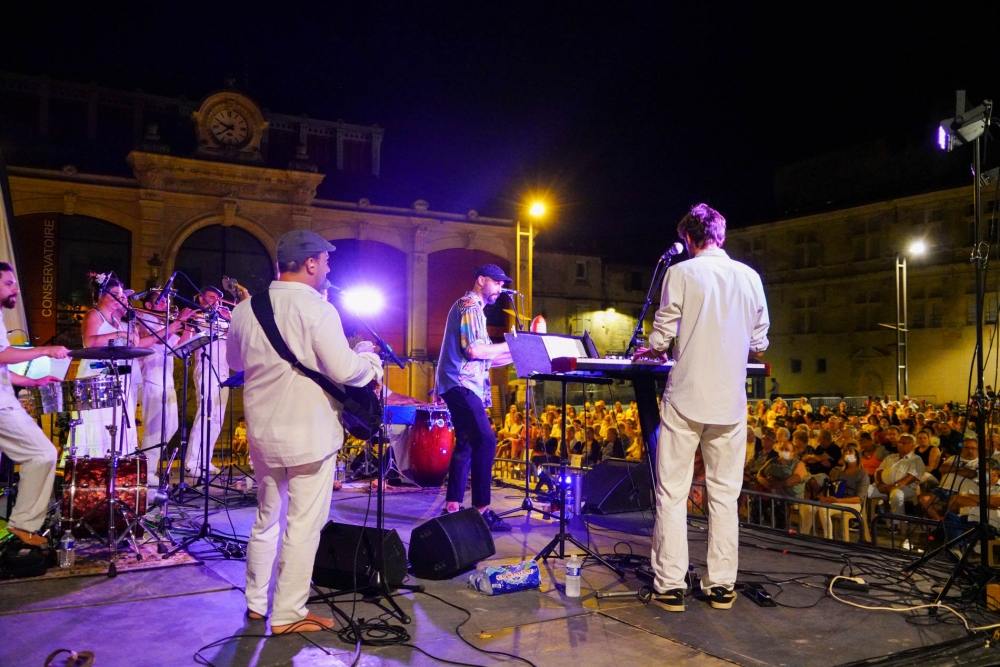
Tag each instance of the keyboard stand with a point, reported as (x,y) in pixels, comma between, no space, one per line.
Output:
(560,540)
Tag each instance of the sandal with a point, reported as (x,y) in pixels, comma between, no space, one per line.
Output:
(31,539)
(311,623)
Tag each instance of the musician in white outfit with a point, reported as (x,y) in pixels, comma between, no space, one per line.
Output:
(714,315)
(204,375)
(159,424)
(103,326)
(293,427)
(20,437)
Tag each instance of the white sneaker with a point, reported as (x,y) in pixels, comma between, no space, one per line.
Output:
(213,470)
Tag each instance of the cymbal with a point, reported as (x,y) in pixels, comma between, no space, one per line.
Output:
(113,352)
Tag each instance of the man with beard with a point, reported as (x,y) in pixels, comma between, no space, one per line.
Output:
(20,437)
(463,381)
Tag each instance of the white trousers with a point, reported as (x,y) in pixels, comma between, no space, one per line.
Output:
(152,415)
(292,504)
(215,418)
(724,449)
(23,442)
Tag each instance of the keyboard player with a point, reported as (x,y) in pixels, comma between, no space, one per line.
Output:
(713,314)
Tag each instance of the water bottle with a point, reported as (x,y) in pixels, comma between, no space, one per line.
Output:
(339,474)
(66,555)
(573,577)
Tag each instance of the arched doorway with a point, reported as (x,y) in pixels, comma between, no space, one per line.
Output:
(215,251)
(450,274)
(57,253)
(374,265)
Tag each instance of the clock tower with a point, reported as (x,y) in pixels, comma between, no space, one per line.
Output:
(229,127)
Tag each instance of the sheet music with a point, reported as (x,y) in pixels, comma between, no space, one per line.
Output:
(557,346)
(42,367)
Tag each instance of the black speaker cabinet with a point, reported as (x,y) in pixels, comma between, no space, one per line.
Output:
(347,556)
(617,485)
(450,544)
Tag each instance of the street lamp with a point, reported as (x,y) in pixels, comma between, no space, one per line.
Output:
(536,210)
(902,327)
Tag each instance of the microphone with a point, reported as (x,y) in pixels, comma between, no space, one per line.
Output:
(104,284)
(673,250)
(166,288)
(509,291)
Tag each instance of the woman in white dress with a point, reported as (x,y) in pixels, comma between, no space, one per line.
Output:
(101,326)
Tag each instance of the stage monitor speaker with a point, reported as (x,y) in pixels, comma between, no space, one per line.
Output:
(450,544)
(342,564)
(617,485)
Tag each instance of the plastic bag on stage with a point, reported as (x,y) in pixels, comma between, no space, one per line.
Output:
(506,578)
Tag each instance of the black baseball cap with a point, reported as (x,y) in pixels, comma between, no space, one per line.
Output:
(495,272)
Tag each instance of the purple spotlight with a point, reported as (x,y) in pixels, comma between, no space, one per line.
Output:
(363,300)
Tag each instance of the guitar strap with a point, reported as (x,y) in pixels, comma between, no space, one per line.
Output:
(262,308)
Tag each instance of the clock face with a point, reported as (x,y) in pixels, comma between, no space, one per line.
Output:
(229,128)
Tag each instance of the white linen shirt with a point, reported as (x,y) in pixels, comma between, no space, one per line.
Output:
(895,468)
(290,420)
(8,397)
(716,310)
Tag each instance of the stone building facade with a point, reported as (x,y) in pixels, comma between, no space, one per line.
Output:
(830,285)
(106,179)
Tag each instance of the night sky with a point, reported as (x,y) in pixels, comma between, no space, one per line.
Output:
(623,113)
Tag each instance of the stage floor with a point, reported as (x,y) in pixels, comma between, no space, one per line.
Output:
(163,616)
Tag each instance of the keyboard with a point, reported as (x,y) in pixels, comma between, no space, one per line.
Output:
(627,366)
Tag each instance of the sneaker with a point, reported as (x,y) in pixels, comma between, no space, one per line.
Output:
(444,510)
(672,600)
(721,597)
(496,524)
(213,470)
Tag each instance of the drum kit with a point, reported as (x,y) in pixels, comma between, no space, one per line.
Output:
(104,497)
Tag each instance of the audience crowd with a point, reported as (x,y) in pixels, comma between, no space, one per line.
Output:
(904,457)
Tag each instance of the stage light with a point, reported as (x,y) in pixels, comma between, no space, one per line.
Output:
(918,248)
(966,126)
(363,300)
(537,209)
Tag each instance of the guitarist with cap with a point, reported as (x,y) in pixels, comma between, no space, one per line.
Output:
(293,428)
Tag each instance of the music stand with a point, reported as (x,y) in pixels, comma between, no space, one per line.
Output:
(532,354)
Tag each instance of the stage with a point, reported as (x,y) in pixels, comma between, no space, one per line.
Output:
(163,616)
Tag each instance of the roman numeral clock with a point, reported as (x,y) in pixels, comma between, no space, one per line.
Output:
(229,127)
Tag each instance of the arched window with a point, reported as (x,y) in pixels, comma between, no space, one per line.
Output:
(216,251)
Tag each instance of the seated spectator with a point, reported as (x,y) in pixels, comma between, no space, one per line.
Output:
(950,440)
(784,475)
(592,446)
(968,504)
(820,461)
(615,446)
(930,455)
(898,475)
(849,487)
(754,447)
(891,441)
(959,474)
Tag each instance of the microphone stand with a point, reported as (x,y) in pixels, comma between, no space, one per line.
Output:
(529,410)
(661,269)
(378,589)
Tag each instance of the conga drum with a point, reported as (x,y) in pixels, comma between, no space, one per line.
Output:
(431,443)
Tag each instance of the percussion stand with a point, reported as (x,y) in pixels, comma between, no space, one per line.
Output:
(231,383)
(378,590)
(228,547)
